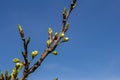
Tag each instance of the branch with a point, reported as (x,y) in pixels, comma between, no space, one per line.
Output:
(25,55)
(53,43)
(25,52)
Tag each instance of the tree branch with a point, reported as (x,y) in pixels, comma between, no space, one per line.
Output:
(48,49)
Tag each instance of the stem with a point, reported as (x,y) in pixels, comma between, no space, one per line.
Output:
(25,56)
(47,50)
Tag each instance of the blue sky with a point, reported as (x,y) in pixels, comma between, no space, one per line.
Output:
(93,52)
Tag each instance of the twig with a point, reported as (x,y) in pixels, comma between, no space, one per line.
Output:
(48,49)
(25,55)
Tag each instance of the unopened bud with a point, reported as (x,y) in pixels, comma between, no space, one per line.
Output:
(56,36)
(17,65)
(14,73)
(21,31)
(73,6)
(62,35)
(16,60)
(65,39)
(48,42)
(20,28)
(34,53)
(67,26)
(21,66)
(6,72)
(55,52)
(64,11)
(50,30)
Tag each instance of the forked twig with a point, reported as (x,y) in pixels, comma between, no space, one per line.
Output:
(52,45)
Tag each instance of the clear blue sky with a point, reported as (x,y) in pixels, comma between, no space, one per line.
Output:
(93,52)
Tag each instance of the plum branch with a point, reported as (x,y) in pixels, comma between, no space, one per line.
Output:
(51,44)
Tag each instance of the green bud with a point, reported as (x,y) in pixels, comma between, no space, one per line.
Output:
(12,76)
(50,30)
(74,6)
(17,65)
(34,53)
(56,36)
(14,73)
(64,11)
(21,65)
(62,35)
(55,52)
(48,42)
(20,28)
(56,33)
(16,60)
(21,31)
(65,39)
(67,26)
(6,72)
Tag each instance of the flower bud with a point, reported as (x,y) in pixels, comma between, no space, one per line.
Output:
(67,26)
(74,6)
(21,31)
(17,65)
(34,53)
(49,30)
(62,35)
(20,28)
(14,73)
(16,60)
(56,33)
(56,36)
(65,39)
(55,52)
(64,11)
(21,66)
(6,72)
(48,42)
